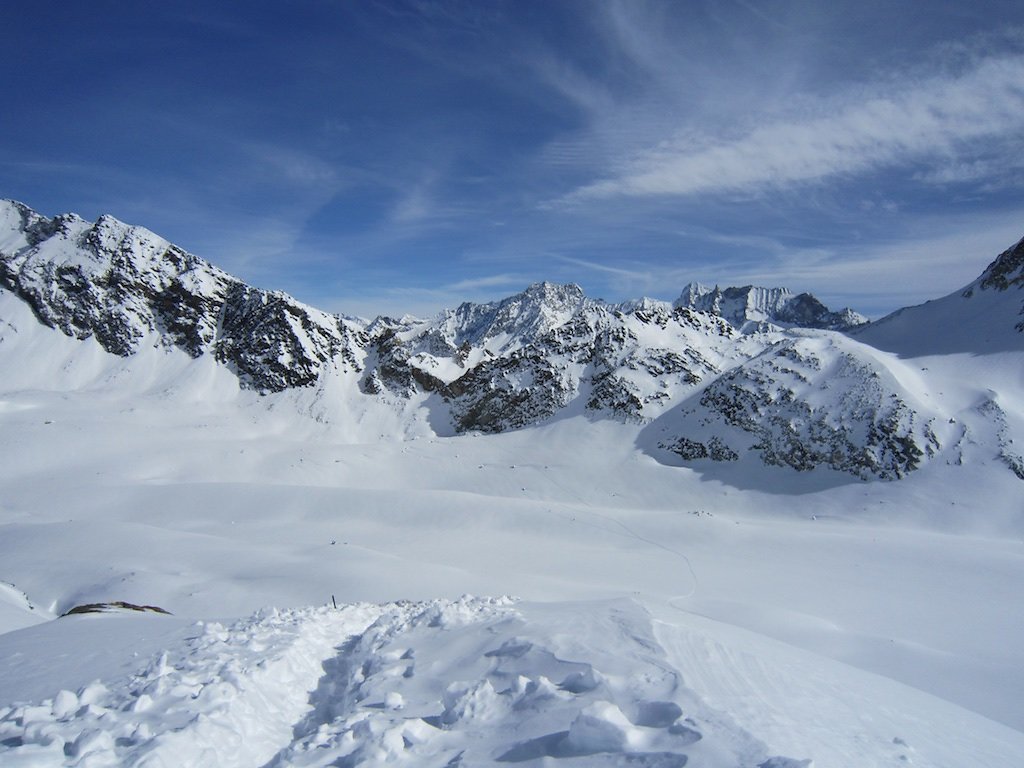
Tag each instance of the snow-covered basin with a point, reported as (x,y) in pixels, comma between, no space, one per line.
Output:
(198,498)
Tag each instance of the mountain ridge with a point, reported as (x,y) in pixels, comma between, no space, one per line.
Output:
(722,375)
(750,308)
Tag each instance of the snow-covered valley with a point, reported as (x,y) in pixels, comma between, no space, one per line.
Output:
(635,606)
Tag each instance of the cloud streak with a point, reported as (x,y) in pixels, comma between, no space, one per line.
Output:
(946,117)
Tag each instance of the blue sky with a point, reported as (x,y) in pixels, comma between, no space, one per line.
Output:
(390,157)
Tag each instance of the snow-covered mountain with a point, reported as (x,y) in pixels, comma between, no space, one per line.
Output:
(810,402)
(751,308)
(726,373)
(985,316)
(675,495)
(126,287)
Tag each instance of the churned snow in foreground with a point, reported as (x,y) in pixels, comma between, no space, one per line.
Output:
(482,682)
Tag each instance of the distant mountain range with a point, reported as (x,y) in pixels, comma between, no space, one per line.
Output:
(720,375)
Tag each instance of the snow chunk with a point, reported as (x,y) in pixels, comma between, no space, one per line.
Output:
(602,727)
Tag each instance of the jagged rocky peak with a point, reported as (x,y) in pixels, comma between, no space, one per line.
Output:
(126,287)
(720,375)
(737,305)
(520,318)
(1006,271)
(644,304)
(17,218)
(752,308)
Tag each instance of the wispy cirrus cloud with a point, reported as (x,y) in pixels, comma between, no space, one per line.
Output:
(423,301)
(628,278)
(940,117)
(933,258)
(488,281)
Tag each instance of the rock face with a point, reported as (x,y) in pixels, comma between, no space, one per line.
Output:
(1006,274)
(573,352)
(1006,271)
(751,308)
(723,374)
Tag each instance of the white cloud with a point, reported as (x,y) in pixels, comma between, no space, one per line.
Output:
(424,302)
(283,164)
(639,276)
(487,281)
(941,117)
(413,205)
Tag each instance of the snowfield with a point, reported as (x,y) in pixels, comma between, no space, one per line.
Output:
(780,609)
(773,616)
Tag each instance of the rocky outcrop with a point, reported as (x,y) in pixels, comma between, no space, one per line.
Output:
(1006,271)
(751,308)
(807,403)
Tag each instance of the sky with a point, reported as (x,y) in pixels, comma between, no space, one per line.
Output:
(401,157)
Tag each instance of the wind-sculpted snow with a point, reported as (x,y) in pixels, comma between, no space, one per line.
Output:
(475,681)
(986,316)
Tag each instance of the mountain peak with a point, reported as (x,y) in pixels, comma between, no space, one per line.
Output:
(546,350)
(1006,270)
(516,319)
(127,288)
(549,290)
(749,308)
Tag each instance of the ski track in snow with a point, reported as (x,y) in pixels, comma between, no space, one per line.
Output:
(804,704)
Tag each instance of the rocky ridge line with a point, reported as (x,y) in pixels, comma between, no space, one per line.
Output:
(723,373)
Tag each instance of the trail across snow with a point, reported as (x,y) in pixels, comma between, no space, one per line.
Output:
(228,697)
(492,681)
(468,682)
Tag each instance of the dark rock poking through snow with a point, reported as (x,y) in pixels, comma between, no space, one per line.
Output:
(727,371)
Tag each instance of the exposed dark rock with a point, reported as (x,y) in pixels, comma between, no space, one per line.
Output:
(1007,270)
(126,287)
(112,607)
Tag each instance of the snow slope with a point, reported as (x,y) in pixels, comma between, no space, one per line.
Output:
(986,316)
(669,610)
(215,508)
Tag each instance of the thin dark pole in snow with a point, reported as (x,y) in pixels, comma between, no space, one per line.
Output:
(335,602)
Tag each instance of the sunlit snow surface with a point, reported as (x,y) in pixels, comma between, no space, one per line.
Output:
(664,617)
